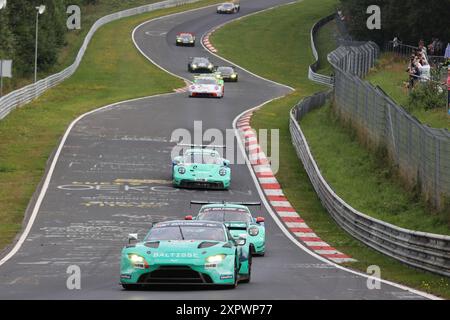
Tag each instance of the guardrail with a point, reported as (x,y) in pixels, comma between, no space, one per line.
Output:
(312,73)
(422,250)
(421,153)
(26,94)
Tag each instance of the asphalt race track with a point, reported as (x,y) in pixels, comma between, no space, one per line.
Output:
(113,178)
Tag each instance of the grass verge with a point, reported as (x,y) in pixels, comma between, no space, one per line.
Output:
(363,179)
(283,36)
(390,74)
(112,70)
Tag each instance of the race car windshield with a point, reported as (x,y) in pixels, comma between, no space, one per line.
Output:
(186,36)
(225,216)
(228,5)
(186,233)
(225,70)
(206,81)
(200,60)
(202,159)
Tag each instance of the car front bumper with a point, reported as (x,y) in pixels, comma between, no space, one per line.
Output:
(187,273)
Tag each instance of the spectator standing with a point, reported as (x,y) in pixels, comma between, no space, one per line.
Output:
(448,91)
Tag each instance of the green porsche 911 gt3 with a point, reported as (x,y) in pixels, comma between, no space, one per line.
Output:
(186,252)
(201,167)
(238,219)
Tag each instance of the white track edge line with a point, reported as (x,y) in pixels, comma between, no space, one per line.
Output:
(16,247)
(261,193)
(30,223)
(292,238)
(49,175)
(237,19)
(156,19)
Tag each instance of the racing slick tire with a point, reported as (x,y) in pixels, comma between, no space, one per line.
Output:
(236,278)
(129,286)
(253,252)
(249,277)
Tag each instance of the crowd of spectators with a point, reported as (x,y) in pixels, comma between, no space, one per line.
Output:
(419,68)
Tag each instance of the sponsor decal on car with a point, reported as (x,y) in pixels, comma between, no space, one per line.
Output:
(175,255)
(226,276)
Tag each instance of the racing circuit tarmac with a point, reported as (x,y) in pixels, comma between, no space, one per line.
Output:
(113,178)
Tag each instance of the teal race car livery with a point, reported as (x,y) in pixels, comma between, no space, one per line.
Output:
(238,219)
(201,167)
(186,252)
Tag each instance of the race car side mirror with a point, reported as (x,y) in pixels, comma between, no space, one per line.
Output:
(132,237)
(260,220)
(241,241)
(226,163)
(188,218)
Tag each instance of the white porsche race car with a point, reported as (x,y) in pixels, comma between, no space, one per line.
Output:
(229,7)
(207,86)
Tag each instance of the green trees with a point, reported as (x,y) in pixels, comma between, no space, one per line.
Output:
(17,33)
(410,20)
(7,40)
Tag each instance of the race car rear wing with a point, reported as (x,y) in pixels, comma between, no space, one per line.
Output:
(201,146)
(247,204)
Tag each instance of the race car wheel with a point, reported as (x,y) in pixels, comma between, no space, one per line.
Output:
(236,277)
(128,286)
(249,277)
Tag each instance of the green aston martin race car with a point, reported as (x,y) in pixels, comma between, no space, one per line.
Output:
(185,252)
(228,74)
(238,219)
(201,167)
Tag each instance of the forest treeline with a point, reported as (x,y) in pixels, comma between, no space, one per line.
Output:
(409,20)
(17,33)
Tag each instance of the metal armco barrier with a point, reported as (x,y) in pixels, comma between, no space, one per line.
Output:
(421,153)
(26,94)
(312,74)
(422,250)
(418,149)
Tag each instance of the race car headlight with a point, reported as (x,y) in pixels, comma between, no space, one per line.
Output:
(253,231)
(178,40)
(194,66)
(216,259)
(233,75)
(181,170)
(138,261)
(191,41)
(135,258)
(210,66)
(223,172)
